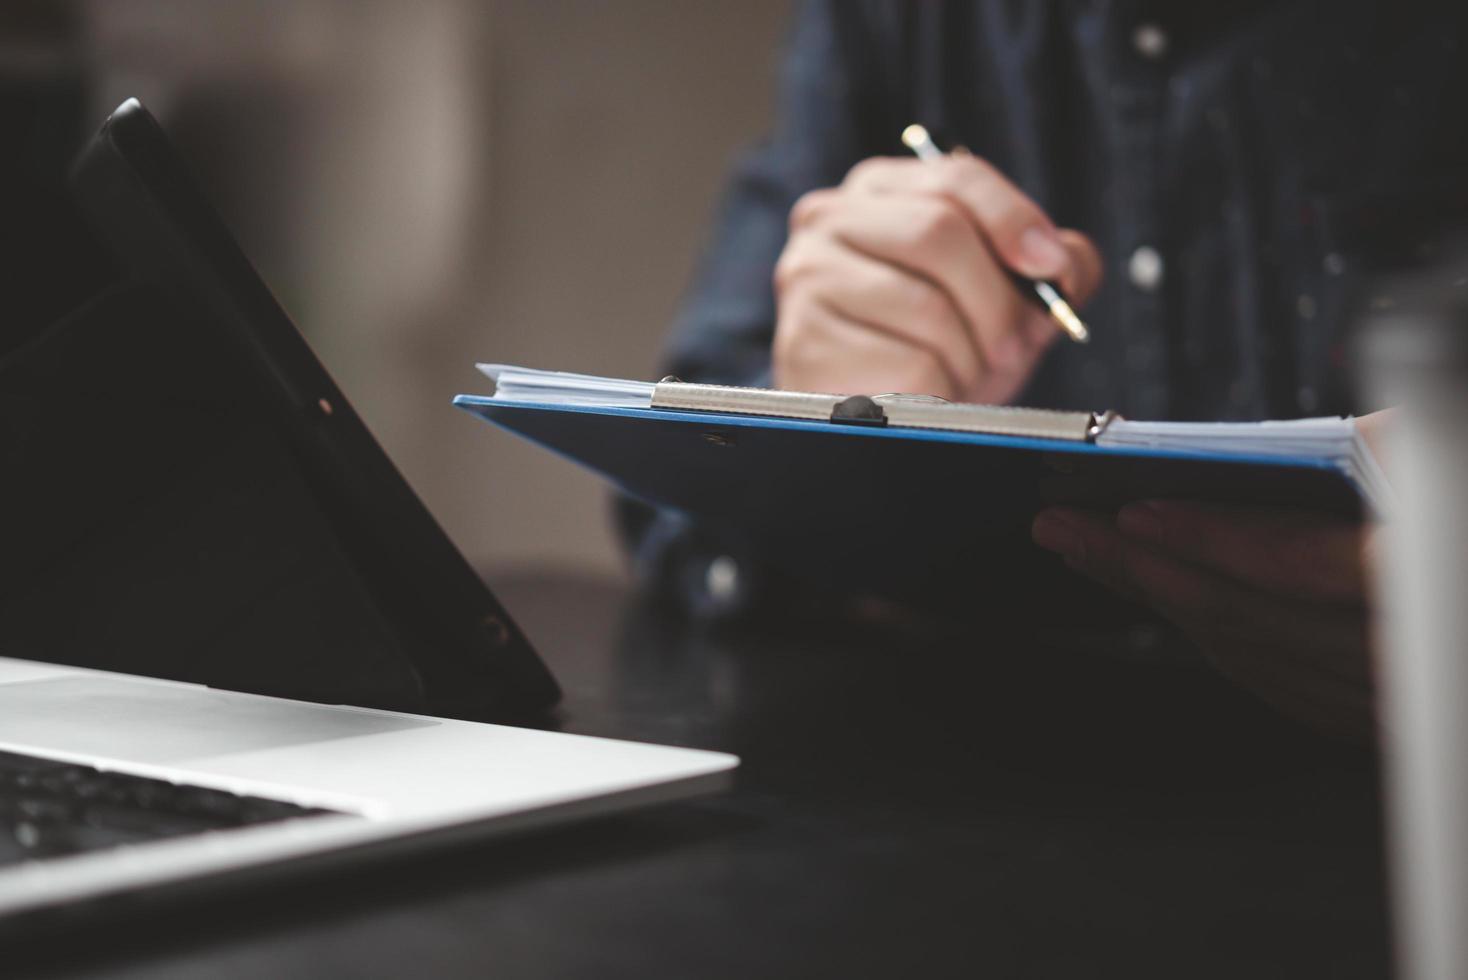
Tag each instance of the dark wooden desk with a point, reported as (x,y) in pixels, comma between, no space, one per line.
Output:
(908,806)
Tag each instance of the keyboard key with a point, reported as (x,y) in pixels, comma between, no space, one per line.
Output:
(50,808)
(13,763)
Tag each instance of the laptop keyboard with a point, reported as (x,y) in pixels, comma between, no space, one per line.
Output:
(50,809)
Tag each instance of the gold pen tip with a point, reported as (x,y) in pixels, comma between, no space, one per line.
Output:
(915,136)
(1072,324)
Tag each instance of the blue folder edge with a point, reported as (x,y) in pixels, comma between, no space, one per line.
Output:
(917,518)
(486,408)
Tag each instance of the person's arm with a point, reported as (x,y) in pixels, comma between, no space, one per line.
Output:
(1278,600)
(836,269)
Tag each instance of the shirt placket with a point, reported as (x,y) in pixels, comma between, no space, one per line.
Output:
(1140,49)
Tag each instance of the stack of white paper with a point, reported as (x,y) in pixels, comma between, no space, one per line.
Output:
(564,388)
(1331,438)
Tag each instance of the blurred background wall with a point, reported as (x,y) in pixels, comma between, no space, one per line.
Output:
(426,184)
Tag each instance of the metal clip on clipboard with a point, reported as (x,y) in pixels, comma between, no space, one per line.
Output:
(894,410)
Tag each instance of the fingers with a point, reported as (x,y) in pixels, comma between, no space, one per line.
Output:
(924,252)
(817,269)
(1214,608)
(1307,658)
(1092,543)
(1015,227)
(833,353)
(932,240)
(1291,553)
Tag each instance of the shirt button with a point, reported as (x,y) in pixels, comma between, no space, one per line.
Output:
(1144,269)
(1150,41)
(721,580)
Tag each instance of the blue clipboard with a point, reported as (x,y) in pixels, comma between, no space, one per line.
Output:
(917,514)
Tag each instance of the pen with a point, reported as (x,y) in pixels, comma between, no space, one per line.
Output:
(1044,292)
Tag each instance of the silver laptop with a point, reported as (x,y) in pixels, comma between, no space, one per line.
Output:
(207,559)
(113,782)
(110,782)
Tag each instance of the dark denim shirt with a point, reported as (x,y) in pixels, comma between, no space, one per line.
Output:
(1240,166)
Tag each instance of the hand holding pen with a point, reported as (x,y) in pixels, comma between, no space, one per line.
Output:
(1042,291)
(903,279)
